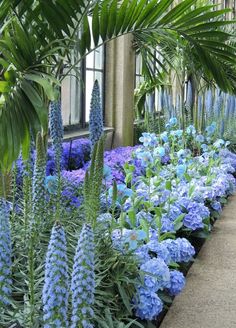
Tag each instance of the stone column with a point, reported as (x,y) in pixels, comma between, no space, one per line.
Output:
(119,88)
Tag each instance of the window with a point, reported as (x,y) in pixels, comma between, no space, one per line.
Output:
(77,88)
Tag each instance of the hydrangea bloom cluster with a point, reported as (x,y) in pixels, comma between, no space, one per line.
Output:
(180,249)
(147,304)
(83,280)
(56,130)
(156,274)
(5,255)
(95,117)
(177,282)
(56,283)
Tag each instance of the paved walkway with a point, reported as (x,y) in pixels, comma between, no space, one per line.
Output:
(209,298)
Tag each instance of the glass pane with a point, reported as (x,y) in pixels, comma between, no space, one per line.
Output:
(90,60)
(99,58)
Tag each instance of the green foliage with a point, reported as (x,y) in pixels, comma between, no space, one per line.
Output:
(93,183)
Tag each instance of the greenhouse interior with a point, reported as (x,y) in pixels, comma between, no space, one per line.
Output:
(117,164)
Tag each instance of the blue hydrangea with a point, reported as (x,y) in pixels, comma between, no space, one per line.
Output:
(56,130)
(142,254)
(56,282)
(83,280)
(96,115)
(193,221)
(177,282)
(216,206)
(147,304)
(5,255)
(159,249)
(156,274)
(180,249)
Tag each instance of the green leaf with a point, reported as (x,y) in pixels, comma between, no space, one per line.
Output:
(95,24)
(5,86)
(45,84)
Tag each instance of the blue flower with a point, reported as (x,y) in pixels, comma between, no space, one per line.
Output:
(200,138)
(147,304)
(83,280)
(180,249)
(122,192)
(191,130)
(177,282)
(159,151)
(145,156)
(156,274)
(56,130)
(38,185)
(218,143)
(204,148)
(173,121)
(216,206)
(148,139)
(193,221)
(180,170)
(133,237)
(95,116)
(51,184)
(210,130)
(56,282)
(107,173)
(5,255)
(164,136)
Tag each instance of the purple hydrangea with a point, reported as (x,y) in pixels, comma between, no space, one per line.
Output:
(83,280)
(5,255)
(56,282)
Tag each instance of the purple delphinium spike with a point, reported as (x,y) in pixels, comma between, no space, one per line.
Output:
(56,130)
(96,115)
(56,282)
(5,255)
(83,280)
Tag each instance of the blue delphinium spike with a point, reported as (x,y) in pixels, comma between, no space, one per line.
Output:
(5,255)
(56,282)
(189,99)
(96,115)
(83,280)
(39,172)
(56,130)
(209,103)
(199,108)
(218,106)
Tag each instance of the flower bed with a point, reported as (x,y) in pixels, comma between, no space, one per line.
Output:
(156,198)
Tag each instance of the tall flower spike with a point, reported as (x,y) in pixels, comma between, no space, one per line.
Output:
(38,192)
(56,283)
(5,255)
(56,131)
(96,116)
(83,280)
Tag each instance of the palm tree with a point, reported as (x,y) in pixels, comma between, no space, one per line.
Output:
(38,39)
